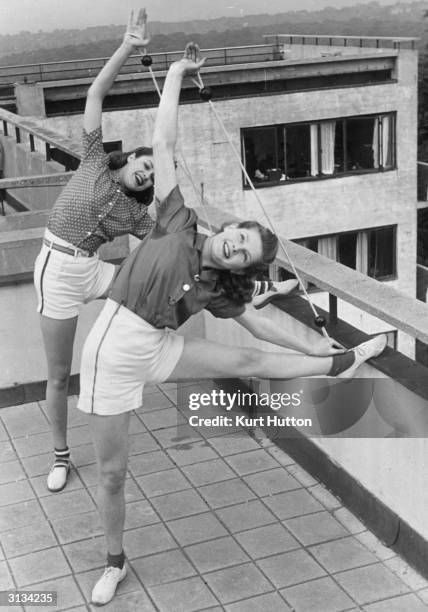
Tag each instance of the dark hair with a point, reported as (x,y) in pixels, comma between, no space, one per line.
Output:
(239,287)
(118,159)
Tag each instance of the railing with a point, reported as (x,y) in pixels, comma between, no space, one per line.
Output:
(20,128)
(376,42)
(89,68)
(376,298)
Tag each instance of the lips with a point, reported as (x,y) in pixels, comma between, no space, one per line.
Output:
(139,180)
(226,250)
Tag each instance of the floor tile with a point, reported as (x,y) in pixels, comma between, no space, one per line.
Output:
(183,596)
(7,452)
(36,444)
(253,461)
(375,545)
(271,482)
(86,554)
(271,602)
(67,503)
(163,482)
(302,475)
(160,419)
(208,472)
(142,443)
(372,583)
(68,593)
(15,492)
(316,528)
(407,574)
(154,401)
(19,515)
(39,566)
(176,505)
(6,581)
(22,541)
(147,540)
(77,527)
(349,521)
(248,515)
(226,493)
(323,495)
(196,528)
(140,513)
(148,463)
(216,554)
(233,444)
(343,554)
(292,503)
(163,567)
(24,420)
(322,595)
(290,568)
(268,540)
(11,472)
(238,582)
(191,452)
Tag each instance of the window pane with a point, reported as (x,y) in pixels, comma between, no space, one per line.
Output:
(339,162)
(382,252)
(298,151)
(347,250)
(260,153)
(362,144)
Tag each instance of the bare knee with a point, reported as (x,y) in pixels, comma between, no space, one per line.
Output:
(112,479)
(58,379)
(248,362)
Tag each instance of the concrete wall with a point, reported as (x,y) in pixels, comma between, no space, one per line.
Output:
(307,208)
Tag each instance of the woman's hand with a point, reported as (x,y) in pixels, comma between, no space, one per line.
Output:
(325,347)
(191,61)
(136,33)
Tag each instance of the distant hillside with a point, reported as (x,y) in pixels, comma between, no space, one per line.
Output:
(401,19)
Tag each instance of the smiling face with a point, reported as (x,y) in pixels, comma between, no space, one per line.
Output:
(235,248)
(138,173)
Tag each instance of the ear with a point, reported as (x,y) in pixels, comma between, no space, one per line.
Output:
(131,157)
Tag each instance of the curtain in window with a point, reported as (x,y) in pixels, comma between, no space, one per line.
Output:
(328,130)
(328,247)
(386,141)
(314,150)
(362,258)
(375,144)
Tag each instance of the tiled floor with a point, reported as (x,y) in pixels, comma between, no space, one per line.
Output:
(214,522)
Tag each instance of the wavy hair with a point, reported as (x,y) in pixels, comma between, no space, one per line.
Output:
(239,287)
(118,159)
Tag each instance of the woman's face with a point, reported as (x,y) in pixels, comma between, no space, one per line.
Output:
(234,248)
(138,173)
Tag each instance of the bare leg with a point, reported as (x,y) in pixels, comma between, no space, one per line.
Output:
(202,358)
(110,438)
(58,337)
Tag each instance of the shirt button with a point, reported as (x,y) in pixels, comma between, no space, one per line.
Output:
(100,216)
(88,233)
(186,287)
(110,203)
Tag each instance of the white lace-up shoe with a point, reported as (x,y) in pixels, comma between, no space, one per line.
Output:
(363,352)
(57,477)
(106,586)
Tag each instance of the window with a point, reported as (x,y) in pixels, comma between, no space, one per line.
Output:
(307,151)
(370,252)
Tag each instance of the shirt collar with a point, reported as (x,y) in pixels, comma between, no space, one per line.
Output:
(205,274)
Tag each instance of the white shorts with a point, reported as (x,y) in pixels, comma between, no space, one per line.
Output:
(120,355)
(63,282)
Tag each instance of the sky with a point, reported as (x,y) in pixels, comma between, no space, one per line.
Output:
(33,15)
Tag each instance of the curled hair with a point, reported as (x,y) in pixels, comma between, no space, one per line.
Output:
(118,159)
(239,287)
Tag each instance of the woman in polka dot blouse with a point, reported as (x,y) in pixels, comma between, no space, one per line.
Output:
(107,197)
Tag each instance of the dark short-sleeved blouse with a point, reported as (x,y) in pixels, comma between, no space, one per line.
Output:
(162,280)
(93,208)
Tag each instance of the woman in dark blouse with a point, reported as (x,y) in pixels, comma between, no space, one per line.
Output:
(175,273)
(107,197)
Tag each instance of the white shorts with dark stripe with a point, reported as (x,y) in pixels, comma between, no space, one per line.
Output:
(120,355)
(63,282)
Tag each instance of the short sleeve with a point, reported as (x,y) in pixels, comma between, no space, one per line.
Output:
(172,215)
(142,222)
(223,308)
(93,150)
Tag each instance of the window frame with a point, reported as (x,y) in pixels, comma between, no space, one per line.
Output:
(322,177)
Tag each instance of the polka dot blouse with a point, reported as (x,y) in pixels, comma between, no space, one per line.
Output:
(92,208)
